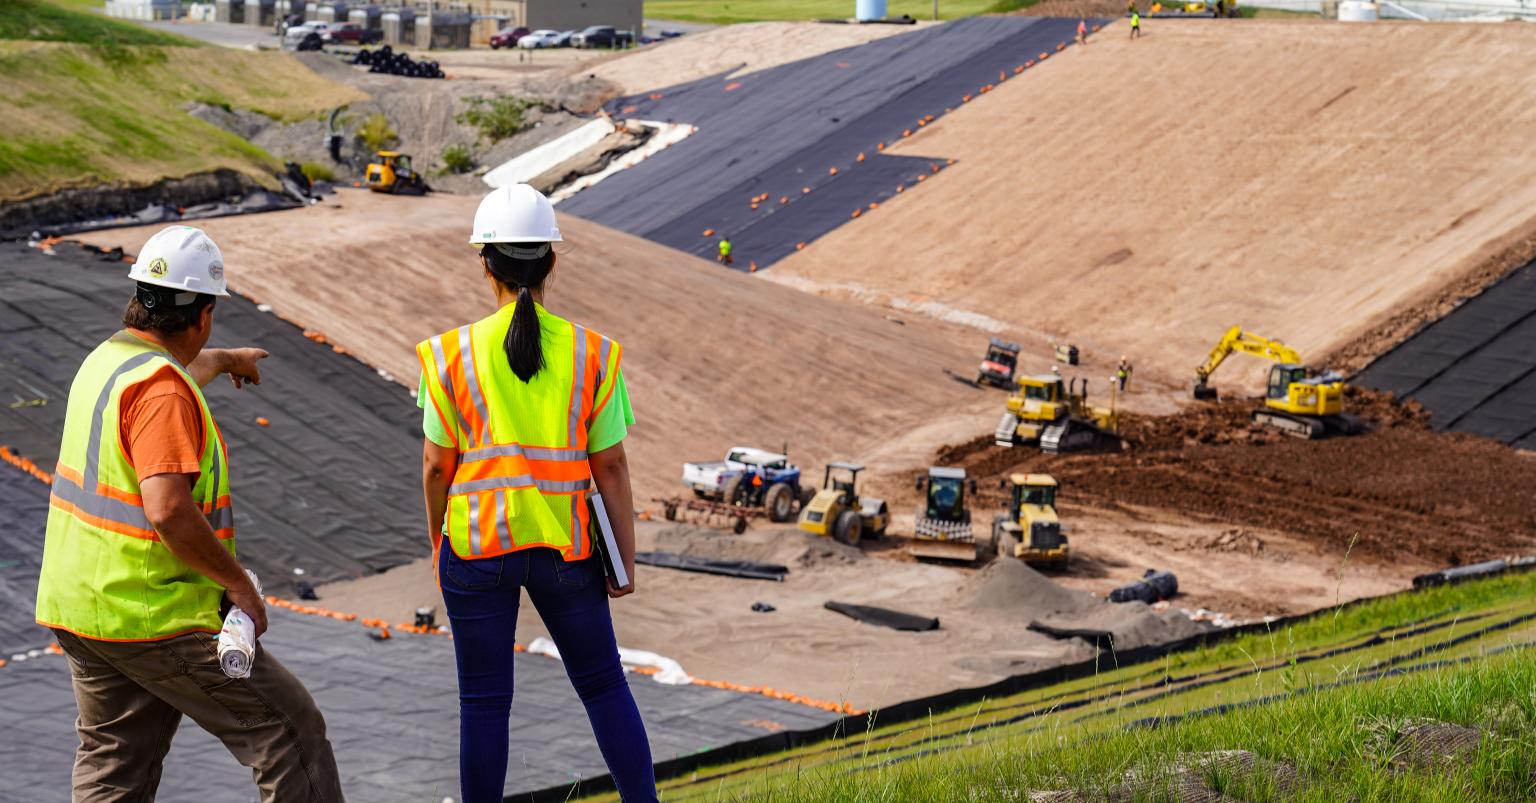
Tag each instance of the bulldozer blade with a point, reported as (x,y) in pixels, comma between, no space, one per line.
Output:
(925,549)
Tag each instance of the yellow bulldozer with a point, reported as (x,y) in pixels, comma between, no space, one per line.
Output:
(838,511)
(1047,411)
(1029,529)
(1298,401)
(390,171)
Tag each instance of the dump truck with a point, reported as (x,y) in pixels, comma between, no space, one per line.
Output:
(1029,529)
(1299,401)
(942,529)
(998,366)
(838,511)
(1048,412)
(390,171)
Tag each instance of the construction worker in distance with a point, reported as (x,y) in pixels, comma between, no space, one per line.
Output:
(1082,32)
(1123,372)
(524,416)
(1135,22)
(139,557)
(725,252)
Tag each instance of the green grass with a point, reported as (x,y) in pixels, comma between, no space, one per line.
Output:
(40,21)
(712,11)
(87,100)
(1317,695)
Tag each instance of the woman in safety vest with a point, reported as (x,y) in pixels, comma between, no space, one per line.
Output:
(524,415)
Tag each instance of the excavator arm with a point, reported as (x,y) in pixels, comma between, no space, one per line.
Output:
(1246,342)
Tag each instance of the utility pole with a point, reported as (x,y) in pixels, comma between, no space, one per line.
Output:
(935,10)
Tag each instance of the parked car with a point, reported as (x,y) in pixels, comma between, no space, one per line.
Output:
(564,39)
(297,33)
(538,39)
(670,34)
(602,36)
(507,37)
(351,33)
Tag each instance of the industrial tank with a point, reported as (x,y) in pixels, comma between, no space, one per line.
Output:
(868,10)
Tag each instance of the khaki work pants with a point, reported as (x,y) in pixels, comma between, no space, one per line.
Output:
(132,696)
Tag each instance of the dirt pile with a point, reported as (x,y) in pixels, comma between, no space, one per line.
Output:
(785,546)
(1008,590)
(1147,242)
(1009,587)
(1398,489)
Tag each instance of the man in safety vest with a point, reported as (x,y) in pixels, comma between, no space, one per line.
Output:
(140,552)
(725,252)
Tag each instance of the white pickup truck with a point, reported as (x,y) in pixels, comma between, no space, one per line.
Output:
(708,480)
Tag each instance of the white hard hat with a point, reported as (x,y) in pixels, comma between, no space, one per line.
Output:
(516,213)
(181,258)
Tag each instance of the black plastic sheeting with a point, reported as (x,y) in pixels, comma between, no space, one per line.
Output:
(884,617)
(778,131)
(1153,586)
(746,569)
(23,514)
(1475,571)
(330,487)
(1474,369)
(392,715)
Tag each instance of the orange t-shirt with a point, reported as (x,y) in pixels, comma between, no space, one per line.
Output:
(161,426)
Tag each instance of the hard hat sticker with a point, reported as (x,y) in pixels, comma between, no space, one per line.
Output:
(158,267)
(215,271)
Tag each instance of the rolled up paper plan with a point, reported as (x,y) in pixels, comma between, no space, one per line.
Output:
(237,639)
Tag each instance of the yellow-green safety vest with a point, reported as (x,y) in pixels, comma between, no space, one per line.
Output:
(523,479)
(106,575)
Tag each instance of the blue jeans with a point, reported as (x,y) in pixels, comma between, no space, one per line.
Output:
(572,598)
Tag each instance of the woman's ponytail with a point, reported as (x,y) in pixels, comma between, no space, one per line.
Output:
(525,353)
(522,269)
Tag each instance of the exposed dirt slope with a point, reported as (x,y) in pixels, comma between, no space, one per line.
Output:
(1400,493)
(714,358)
(744,48)
(1307,180)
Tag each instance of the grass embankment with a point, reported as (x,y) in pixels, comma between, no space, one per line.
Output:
(87,100)
(1333,698)
(712,11)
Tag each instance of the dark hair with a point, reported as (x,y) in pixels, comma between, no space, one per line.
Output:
(162,316)
(524,352)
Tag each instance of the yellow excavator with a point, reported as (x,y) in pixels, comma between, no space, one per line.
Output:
(1299,401)
(1047,411)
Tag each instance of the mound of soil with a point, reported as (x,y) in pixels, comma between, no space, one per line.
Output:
(1131,624)
(786,546)
(1011,587)
(1399,488)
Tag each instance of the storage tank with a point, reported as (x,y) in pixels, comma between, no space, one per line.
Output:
(869,10)
(366,16)
(260,12)
(1358,11)
(399,26)
(447,30)
(331,12)
(229,11)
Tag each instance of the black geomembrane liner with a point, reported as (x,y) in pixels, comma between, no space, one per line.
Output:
(1475,368)
(782,130)
(331,486)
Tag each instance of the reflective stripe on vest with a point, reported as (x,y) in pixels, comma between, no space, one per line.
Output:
(105,573)
(507,494)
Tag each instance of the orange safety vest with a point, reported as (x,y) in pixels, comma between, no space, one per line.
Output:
(523,479)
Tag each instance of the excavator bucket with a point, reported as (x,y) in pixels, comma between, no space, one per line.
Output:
(1205,392)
